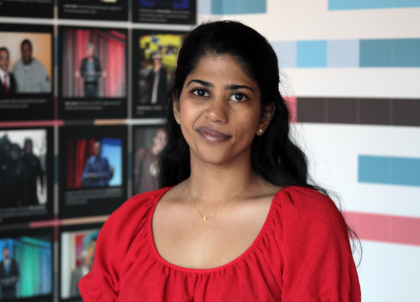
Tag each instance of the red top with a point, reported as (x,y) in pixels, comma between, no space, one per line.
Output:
(302,253)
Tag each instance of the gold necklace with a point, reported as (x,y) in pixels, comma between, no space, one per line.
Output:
(207,217)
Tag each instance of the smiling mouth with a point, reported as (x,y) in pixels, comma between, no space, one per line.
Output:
(212,135)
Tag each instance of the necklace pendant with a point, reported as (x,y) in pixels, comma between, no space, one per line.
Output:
(205,217)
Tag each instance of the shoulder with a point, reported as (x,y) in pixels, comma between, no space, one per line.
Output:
(38,64)
(18,65)
(304,208)
(133,213)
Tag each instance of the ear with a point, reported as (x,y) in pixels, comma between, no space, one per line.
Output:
(175,108)
(266,117)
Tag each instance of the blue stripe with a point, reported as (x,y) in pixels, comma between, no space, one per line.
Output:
(343,53)
(234,7)
(204,7)
(349,53)
(389,170)
(311,54)
(370,4)
(286,52)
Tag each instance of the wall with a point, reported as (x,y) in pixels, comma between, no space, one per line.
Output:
(354,67)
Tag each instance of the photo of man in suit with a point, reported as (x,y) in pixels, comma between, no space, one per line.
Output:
(90,71)
(9,273)
(97,172)
(157,81)
(31,76)
(7,80)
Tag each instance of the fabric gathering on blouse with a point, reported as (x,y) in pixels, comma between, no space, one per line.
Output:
(302,253)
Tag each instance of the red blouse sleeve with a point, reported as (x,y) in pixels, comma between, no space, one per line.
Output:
(114,240)
(317,259)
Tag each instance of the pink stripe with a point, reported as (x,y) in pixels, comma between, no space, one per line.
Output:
(31,124)
(291,105)
(47,223)
(385,228)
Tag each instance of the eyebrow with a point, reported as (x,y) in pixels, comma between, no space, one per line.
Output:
(204,83)
(234,87)
(229,87)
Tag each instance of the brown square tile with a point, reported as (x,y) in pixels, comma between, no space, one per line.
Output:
(406,112)
(342,110)
(311,110)
(375,111)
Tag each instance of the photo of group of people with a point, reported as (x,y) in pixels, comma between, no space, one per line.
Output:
(93,69)
(26,266)
(26,72)
(25,63)
(25,161)
(156,54)
(77,251)
(92,170)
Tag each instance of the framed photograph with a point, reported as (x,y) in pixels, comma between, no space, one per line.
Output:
(27,8)
(148,141)
(92,170)
(76,253)
(93,73)
(109,10)
(26,174)
(165,11)
(154,61)
(26,72)
(26,265)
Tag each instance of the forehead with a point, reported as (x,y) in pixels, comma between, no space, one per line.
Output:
(3,53)
(221,68)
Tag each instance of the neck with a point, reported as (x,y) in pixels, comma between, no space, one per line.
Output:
(216,184)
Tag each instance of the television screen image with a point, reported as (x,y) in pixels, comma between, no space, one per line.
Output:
(94,162)
(26,267)
(93,63)
(148,141)
(26,72)
(25,59)
(77,251)
(92,170)
(93,73)
(165,11)
(25,167)
(156,54)
(165,4)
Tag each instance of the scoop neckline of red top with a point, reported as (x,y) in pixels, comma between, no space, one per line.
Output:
(204,270)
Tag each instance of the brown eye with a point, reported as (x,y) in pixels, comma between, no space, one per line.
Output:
(237,97)
(200,92)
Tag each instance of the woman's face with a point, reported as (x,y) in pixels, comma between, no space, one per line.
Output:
(219,110)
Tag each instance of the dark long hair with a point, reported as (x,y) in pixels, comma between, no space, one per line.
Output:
(274,156)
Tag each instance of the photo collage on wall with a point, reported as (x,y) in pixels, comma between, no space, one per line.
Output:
(83,84)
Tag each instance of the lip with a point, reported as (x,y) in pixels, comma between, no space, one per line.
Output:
(212,135)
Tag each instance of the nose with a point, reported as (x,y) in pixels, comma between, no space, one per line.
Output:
(217,110)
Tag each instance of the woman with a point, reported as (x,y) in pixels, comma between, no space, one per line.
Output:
(236,219)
